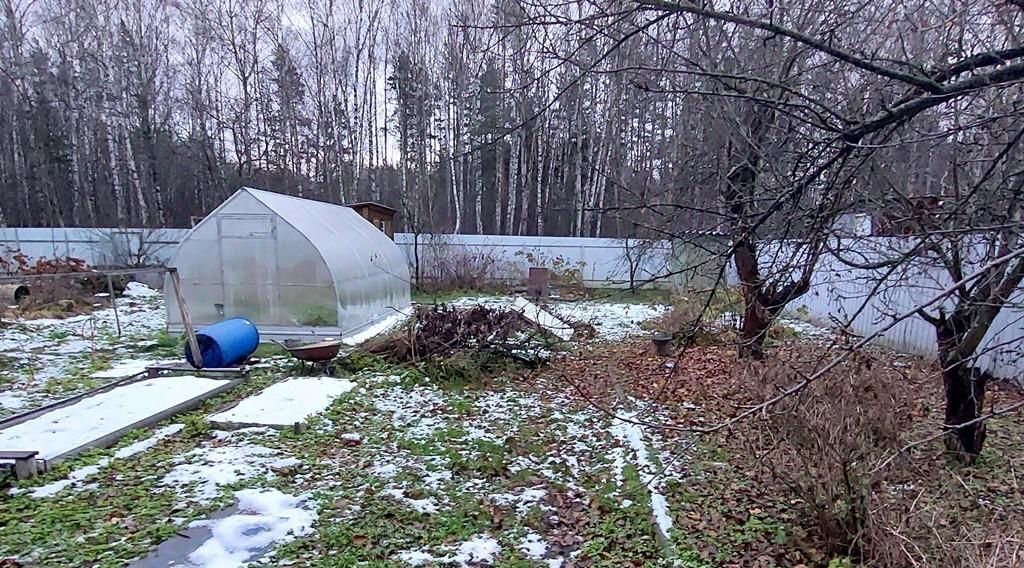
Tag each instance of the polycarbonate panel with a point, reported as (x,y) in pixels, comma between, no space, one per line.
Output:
(305,287)
(370,273)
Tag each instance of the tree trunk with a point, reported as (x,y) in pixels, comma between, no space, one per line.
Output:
(965,400)
(964,385)
(753,331)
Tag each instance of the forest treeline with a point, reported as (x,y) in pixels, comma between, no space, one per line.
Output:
(150,112)
(612,118)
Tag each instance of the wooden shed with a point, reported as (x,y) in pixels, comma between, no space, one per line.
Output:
(379,215)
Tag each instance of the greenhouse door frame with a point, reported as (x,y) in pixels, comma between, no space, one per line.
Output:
(250,230)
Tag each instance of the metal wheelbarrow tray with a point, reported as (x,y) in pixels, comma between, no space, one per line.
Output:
(318,352)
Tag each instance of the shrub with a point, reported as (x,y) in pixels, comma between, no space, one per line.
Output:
(821,445)
(444,267)
(698,318)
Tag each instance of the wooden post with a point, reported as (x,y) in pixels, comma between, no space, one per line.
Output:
(190,332)
(25,468)
(662,344)
(113,303)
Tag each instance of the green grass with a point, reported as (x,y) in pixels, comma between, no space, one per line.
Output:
(165,344)
(267,350)
(444,296)
(637,296)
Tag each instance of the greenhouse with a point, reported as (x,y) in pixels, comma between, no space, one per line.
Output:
(295,267)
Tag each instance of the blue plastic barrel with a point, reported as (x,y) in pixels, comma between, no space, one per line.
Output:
(225,343)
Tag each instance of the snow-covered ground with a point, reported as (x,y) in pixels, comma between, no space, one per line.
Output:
(201,474)
(613,321)
(399,463)
(49,359)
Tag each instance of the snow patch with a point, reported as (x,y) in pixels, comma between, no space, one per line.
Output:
(76,477)
(285,462)
(126,368)
(50,489)
(426,505)
(380,328)
(533,546)
(480,549)
(287,402)
(139,290)
(413,410)
(266,517)
(549,322)
(385,470)
(631,435)
(522,501)
(143,445)
(804,329)
(64,429)
(206,469)
(611,321)
(224,435)
(12,400)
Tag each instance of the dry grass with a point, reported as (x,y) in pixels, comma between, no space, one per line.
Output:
(801,484)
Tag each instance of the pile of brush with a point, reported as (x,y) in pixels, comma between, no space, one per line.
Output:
(465,344)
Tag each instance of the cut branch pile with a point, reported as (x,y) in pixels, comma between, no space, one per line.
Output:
(441,332)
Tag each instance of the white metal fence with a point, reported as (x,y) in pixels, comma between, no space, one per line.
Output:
(861,301)
(98,247)
(597,262)
(839,294)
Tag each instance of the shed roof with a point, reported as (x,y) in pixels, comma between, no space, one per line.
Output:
(372,204)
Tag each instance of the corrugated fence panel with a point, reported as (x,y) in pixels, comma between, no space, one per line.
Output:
(601,262)
(98,247)
(841,295)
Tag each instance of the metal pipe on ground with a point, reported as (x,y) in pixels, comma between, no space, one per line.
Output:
(12,294)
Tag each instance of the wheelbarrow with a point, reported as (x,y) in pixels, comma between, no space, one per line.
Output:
(318,354)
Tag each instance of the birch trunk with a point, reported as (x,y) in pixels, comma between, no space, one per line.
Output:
(133,178)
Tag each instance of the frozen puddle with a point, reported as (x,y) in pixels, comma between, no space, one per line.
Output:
(263,519)
(285,403)
(67,429)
